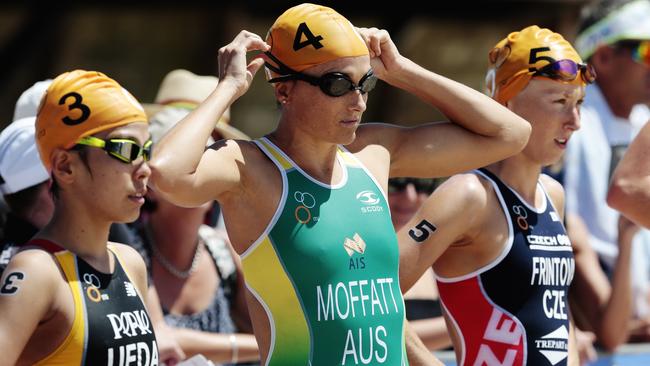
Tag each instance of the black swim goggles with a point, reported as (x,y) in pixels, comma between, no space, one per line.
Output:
(124,150)
(421,185)
(566,70)
(334,84)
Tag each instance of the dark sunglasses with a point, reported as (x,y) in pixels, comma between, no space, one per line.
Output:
(641,53)
(334,84)
(421,185)
(124,150)
(566,70)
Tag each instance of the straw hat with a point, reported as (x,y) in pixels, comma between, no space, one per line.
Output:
(184,89)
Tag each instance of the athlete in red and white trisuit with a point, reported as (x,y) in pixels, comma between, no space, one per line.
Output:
(495,236)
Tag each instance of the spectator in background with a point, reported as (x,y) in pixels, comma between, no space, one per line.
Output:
(194,272)
(422,304)
(611,37)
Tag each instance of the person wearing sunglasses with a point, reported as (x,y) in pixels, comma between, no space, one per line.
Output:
(613,36)
(70,296)
(421,301)
(494,236)
(305,206)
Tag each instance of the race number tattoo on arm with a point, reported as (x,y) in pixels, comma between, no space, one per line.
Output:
(10,285)
(422,231)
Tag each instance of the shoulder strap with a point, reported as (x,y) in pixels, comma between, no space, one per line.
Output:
(274,153)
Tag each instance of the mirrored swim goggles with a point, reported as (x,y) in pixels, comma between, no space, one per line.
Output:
(566,70)
(124,150)
(334,84)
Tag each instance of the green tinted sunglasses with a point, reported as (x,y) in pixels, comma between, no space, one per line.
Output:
(124,150)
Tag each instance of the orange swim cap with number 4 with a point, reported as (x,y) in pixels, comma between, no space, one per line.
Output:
(308,35)
(81,103)
(533,51)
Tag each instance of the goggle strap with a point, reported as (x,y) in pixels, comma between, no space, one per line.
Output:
(92,141)
(281,68)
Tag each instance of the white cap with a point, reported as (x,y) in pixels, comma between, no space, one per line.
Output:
(629,22)
(164,120)
(30,99)
(20,164)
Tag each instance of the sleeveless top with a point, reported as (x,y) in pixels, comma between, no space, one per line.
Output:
(326,269)
(216,317)
(111,325)
(515,310)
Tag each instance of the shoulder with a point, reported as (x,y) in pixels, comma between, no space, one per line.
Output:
(129,258)
(554,189)
(34,257)
(472,187)
(461,192)
(235,151)
(35,267)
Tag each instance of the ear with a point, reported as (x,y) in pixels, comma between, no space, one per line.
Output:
(63,166)
(283,91)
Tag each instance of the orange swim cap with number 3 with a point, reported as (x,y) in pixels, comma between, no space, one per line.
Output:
(81,103)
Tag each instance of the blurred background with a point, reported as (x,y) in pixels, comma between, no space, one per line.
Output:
(137,43)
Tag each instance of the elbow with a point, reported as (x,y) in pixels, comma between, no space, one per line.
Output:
(610,337)
(523,134)
(517,135)
(617,194)
(610,342)
(160,179)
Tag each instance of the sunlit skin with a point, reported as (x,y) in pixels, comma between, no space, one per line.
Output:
(553,110)
(471,227)
(112,190)
(91,196)
(337,117)
(312,124)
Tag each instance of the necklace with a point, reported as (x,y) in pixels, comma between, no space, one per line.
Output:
(171,268)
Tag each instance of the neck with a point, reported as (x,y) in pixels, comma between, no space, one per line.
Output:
(314,156)
(177,243)
(520,174)
(81,233)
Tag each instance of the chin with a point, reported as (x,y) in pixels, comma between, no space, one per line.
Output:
(127,218)
(347,139)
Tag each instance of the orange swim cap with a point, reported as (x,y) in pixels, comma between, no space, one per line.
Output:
(308,35)
(81,103)
(512,61)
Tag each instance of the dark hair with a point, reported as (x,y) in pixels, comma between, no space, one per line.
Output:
(83,154)
(596,11)
(23,200)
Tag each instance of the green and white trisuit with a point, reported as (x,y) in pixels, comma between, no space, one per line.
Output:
(326,270)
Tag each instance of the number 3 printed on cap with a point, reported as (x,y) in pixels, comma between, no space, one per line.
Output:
(85,111)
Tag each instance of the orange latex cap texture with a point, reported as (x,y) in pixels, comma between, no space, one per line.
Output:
(308,35)
(511,60)
(81,103)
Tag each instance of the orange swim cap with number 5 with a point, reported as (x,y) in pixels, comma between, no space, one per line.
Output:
(308,35)
(515,60)
(81,103)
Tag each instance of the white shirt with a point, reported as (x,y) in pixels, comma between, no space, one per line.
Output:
(592,154)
